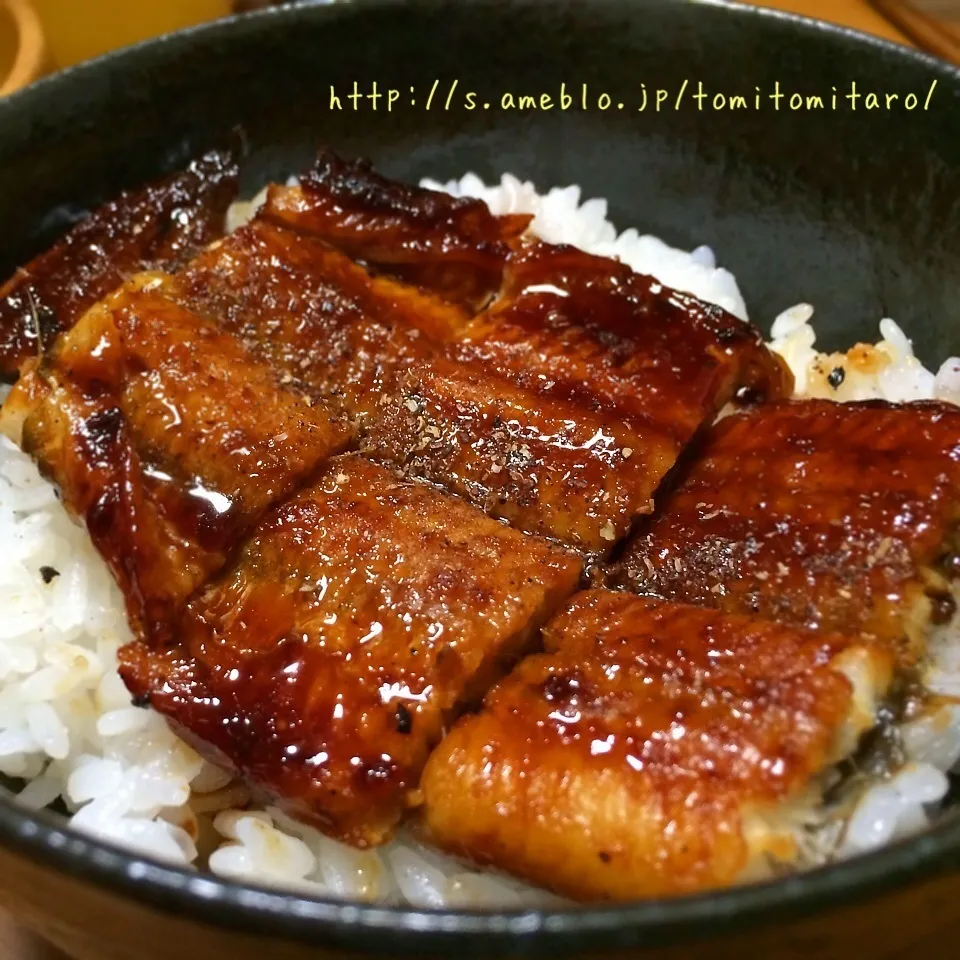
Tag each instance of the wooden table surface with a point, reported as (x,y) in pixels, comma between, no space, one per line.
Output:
(16,943)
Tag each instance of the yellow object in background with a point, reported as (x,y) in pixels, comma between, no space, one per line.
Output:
(22,52)
(80,29)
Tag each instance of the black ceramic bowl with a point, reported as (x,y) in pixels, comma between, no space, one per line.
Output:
(856,211)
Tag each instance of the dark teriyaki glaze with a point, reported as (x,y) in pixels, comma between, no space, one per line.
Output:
(157,227)
(453,246)
(564,405)
(168,439)
(315,622)
(315,314)
(829,516)
(640,755)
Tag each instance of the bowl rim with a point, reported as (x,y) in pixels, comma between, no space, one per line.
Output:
(45,839)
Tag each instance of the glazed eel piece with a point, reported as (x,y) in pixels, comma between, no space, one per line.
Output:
(453,246)
(167,439)
(655,749)
(157,227)
(831,516)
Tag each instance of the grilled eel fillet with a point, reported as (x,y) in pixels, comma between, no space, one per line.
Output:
(359,619)
(654,749)
(560,407)
(167,439)
(157,227)
(452,246)
(818,514)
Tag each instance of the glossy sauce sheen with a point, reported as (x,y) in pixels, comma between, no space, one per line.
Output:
(825,515)
(563,406)
(453,246)
(160,226)
(316,315)
(626,760)
(168,439)
(547,467)
(560,408)
(566,467)
(586,329)
(360,618)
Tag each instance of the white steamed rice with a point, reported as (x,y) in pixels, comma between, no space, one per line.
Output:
(68,730)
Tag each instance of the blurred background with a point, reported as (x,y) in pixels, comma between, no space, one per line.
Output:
(79,29)
(37,36)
